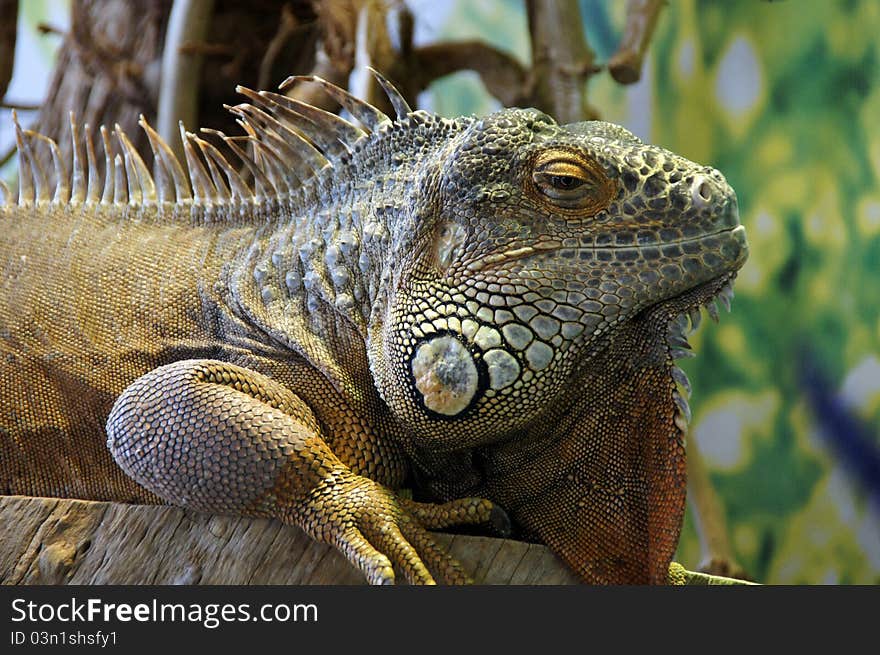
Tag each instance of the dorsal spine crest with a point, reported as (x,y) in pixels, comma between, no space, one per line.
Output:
(288,146)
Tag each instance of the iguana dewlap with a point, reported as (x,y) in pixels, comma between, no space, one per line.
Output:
(485,311)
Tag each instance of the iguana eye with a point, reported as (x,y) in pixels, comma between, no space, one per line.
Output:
(569,181)
(565,182)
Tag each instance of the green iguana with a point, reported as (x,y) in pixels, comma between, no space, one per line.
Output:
(485,311)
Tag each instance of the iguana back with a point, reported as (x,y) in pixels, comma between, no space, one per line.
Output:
(90,301)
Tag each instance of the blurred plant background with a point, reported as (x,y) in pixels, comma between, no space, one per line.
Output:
(33,61)
(784,98)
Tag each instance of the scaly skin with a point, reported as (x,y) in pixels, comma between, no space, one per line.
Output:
(485,311)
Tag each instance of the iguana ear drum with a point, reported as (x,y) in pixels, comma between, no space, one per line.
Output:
(446,375)
(448,241)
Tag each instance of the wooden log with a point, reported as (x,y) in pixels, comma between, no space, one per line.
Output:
(55,541)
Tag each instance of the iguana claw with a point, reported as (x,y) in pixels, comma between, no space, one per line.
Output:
(381,534)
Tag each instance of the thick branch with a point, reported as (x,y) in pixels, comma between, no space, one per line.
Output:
(181,71)
(287,27)
(8,25)
(503,76)
(641,18)
(19,106)
(55,541)
(372,48)
(333,56)
(562,62)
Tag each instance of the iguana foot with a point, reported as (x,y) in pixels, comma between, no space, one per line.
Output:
(380,533)
(462,511)
(678,575)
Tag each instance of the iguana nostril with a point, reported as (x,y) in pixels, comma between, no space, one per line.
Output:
(701,192)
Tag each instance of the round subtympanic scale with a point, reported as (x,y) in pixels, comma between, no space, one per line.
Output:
(445,374)
(503,368)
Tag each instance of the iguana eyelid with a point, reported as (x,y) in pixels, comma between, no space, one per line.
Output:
(585,199)
(565,168)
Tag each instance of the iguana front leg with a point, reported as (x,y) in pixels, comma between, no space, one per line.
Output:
(220,438)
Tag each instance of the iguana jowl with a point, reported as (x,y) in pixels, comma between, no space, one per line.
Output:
(484,310)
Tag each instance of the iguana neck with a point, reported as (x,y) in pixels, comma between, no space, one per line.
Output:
(613,439)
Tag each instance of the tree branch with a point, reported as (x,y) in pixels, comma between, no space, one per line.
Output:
(503,76)
(717,553)
(641,18)
(8,27)
(181,72)
(19,106)
(562,62)
(287,27)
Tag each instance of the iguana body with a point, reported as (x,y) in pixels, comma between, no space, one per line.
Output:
(476,309)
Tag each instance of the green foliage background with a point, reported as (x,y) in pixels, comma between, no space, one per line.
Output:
(784,98)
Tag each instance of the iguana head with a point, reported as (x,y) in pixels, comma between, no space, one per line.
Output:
(534,244)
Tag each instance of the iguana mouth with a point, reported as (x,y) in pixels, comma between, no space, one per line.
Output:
(683,310)
(545,247)
(682,315)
